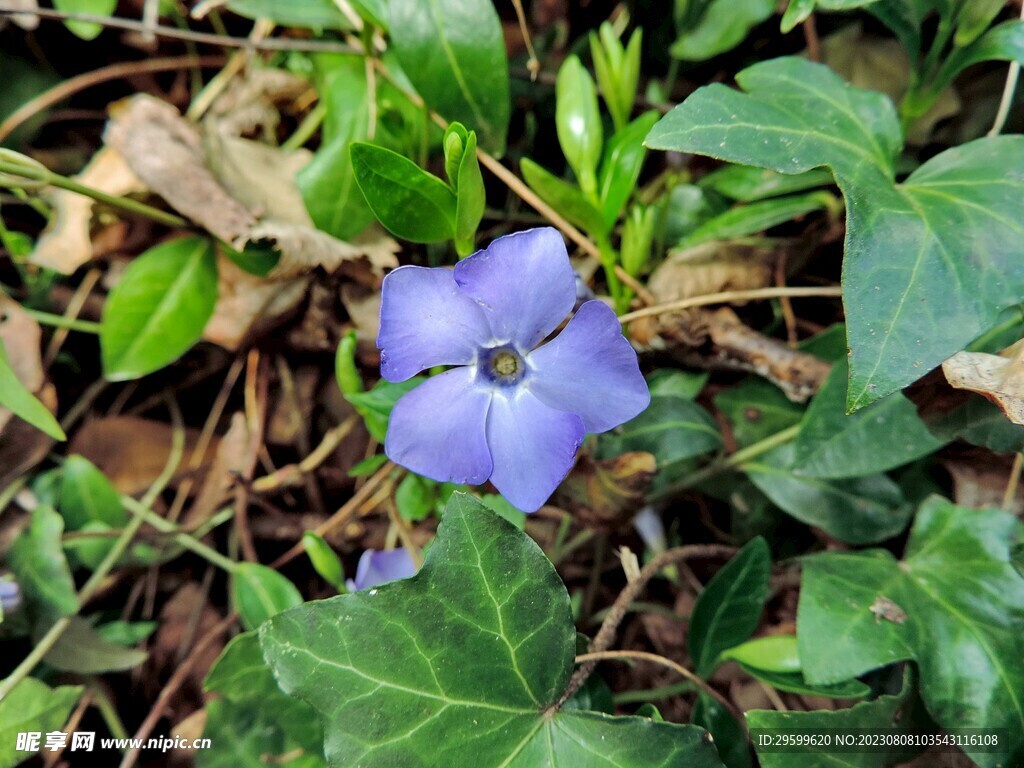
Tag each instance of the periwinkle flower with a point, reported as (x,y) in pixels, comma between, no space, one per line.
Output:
(10,595)
(513,412)
(378,567)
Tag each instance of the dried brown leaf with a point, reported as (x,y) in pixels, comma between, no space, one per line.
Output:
(711,268)
(998,378)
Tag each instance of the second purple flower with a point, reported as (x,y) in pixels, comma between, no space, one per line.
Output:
(513,412)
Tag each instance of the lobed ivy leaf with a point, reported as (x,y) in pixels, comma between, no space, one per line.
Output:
(159,308)
(32,706)
(930,262)
(954,604)
(464,664)
(453,52)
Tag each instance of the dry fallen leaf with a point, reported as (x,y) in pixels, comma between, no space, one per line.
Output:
(66,243)
(711,268)
(606,494)
(998,378)
(249,102)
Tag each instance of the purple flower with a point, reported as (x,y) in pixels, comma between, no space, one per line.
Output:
(10,595)
(514,412)
(377,567)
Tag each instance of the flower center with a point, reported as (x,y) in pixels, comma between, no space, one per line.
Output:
(502,365)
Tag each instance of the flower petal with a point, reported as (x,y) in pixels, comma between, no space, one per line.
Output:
(591,370)
(524,284)
(438,429)
(533,447)
(378,567)
(425,320)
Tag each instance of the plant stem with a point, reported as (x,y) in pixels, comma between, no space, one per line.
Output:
(179,537)
(44,176)
(737,459)
(59,321)
(306,129)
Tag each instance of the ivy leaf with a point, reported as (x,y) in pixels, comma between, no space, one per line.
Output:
(930,262)
(728,608)
(22,403)
(886,713)
(32,706)
(159,309)
(954,604)
(453,52)
(411,203)
(464,662)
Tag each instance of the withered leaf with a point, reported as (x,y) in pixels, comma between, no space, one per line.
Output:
(998,378)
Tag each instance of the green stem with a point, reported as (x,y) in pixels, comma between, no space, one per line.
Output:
(737,459)
(179,537)
(59,321)
(609,258)
(44,176)
(306,129)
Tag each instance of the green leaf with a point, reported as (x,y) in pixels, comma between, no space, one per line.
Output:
(676,383)
(83,650)
(37,559)
(259,592)
(974,18)
(620,168)
(87,30)
(747,184)
(729,607)
(327,182)
(860,510)
(464,662)
(794,682)
(22,403)
(752,218)
(470,194)
(884,435)
(453,52)
(885,714)
(324,559)
(723,26)
(312,14)
(375,406)
(757,409)
(913,249)
(1002,43)
(563,197)
(159,308)
(410,203)
(87,496)
(415,497)
(672,428)
(775,653)
(578,122)
(954,604)
(127,633)
(32,707)
(255,722)
(728,733)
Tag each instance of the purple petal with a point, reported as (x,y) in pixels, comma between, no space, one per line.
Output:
(425,320)
(524,284)
(378,567)
(591,370)
(10,595)
(438,429)
(533,447)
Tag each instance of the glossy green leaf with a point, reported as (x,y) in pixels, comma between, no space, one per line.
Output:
(83,650)
(411,203)
(324,559)
(32,707)
(752,218)
(376,404)
(794,682)
(974,18)
(87,496)
(565,198)
(38,561)
(945,243)
(617,70)
(884,435)
(672,428)
(463,662)
(259,592)
(747,184)
(954,604)
(159,308)
(729,607)
(620,168)
(373,11)
(87,30)
(578,122)
(453,52)
(728,733)
(723,26)
(774,653)
(757,409)
(327,182)
(859,510)
(313,14)
(415,497)
(22,403)
(260,723)
(887,714)
(1002,43)
(676,383)
(471,196)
